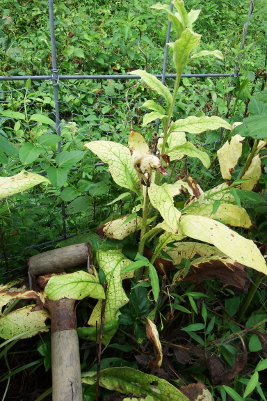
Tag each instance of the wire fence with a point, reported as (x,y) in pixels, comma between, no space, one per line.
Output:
(84,108)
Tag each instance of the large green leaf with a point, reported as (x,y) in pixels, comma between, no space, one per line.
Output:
(67,160)
(29,152)
(254,126)
(156,84)
(175,21)
(93,333)
(76,285)
(112,262)
(154,115)
(128,380)
(161,198)
(182,48)
(151,104)
(7,146)
(196,125)
(48,139)
(13,114)
(19,182)
(41,118)
(228,241)
(190,150)
(57,176)
(120,162)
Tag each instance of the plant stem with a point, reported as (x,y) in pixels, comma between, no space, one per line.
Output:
(250,295)
(146,204)
(250,158)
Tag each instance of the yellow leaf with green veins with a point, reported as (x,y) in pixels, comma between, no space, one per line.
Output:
(188,250)
(196,125)
(161,198)
(19,182)
(112,262)
(228,241)
(175,139)
(226,213)
(252,174)
(118,229)
(120,162)
(229,155)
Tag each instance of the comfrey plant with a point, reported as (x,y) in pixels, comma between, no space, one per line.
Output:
(148,175)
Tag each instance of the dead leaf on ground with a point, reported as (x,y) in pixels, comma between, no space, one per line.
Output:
(196,392)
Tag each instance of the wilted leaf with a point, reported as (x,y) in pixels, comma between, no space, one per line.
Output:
(128,380)
(228,156)
(222,268)
(153,336)
(76,285)
(137,145)
(196,392)
(119,229)
(119,160)
(22,320)
(228,241)
(252,174)
(19,182)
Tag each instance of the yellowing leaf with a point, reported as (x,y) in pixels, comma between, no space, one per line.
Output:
(76,285)
(19,182)
(161,198)
(196,125)
(153,336)
(119,161)
(188,250)
(228,156)
(23,320)
(228,241)
(112,263)
(252,174)
(137,145)
(174,141)
(118,229)
(227,213)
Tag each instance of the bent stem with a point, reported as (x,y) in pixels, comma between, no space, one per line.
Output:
(250,295)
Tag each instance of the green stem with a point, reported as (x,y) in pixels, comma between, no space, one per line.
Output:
(146,204)
(250,158)
(250,295)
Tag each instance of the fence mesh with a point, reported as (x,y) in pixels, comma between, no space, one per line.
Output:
(89,109)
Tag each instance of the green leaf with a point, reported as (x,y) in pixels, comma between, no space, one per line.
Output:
(3,157)
(253,381)
(78,52)
(67,160)
(92,333)
(253,126)
(151,104)
(76,285)
(262,365)
(248,197)
(41,118)
(255,106)
(154,115)
(68,194)
(13,114)
(175,21)
(154,279)
(161,198)
(155,84)
(225,239)
(7,146)
(196,125)
(29,153)
(190,150)
(182,48)
(119,160)
(194,327)
(48,139)
(254,345)
(79,205)
(181,308)
(112,262)
(233,393)
(57,176)
(20,182)
(204,53)
(98,189)
(128,380)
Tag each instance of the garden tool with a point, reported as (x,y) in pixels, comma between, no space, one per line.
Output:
(66,371)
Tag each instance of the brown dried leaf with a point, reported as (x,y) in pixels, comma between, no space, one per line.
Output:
(153,336)
(196,392)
